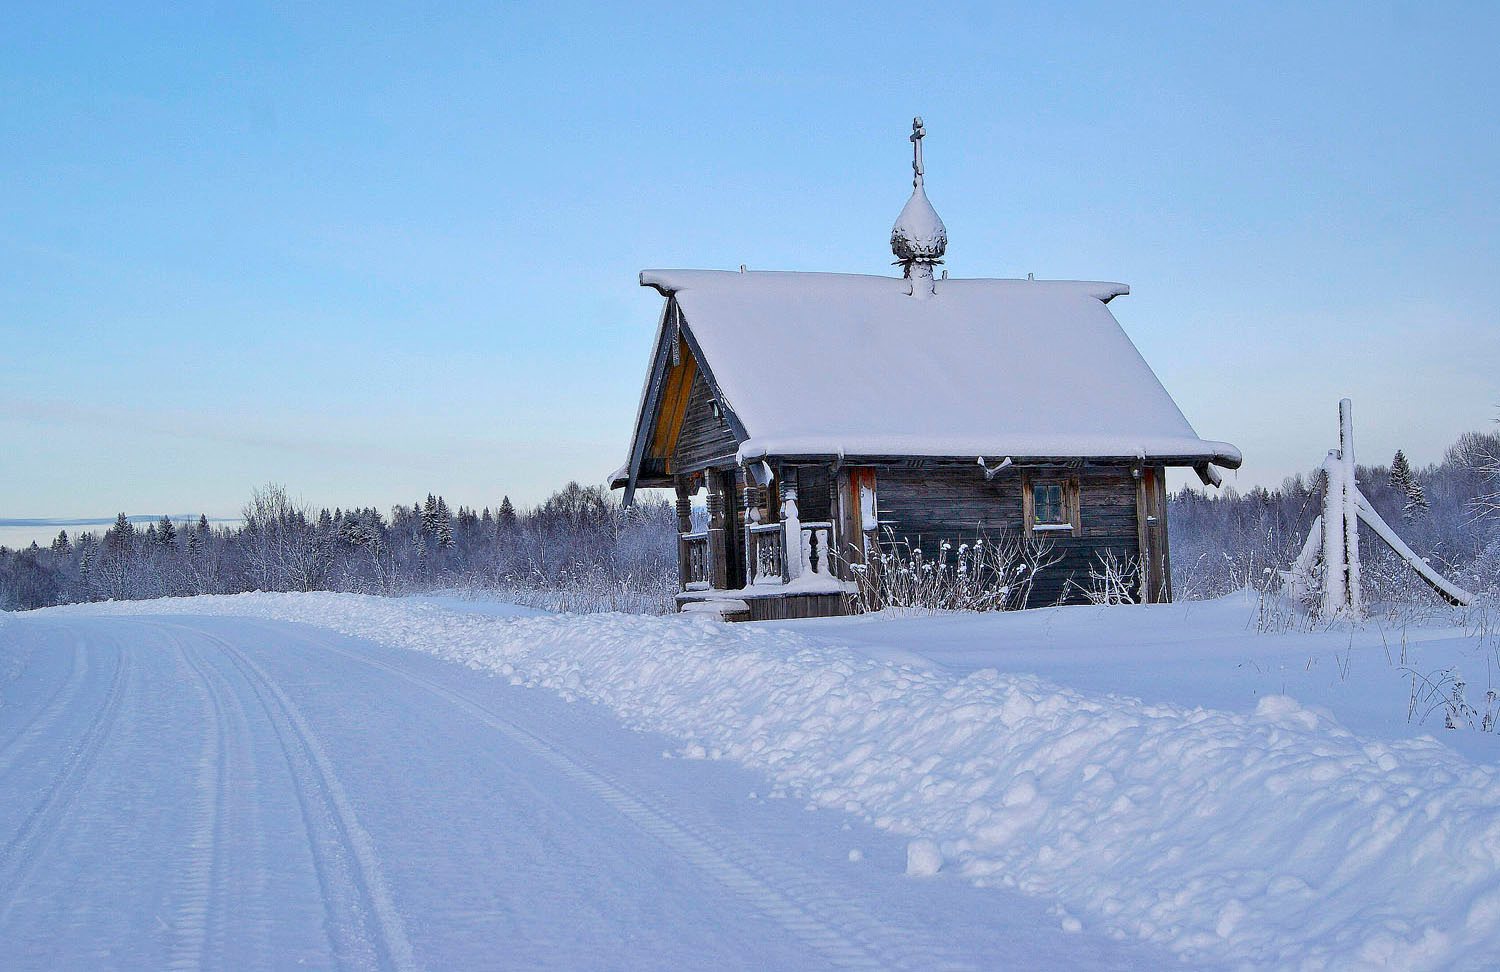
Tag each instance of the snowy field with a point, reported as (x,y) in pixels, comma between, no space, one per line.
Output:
(310,778)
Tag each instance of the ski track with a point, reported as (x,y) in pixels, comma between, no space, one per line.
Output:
(201,880)
(41,721)
(814,912)
(353,882)
(23,850)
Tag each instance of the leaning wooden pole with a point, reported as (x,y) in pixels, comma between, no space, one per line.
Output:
(1450,591)
(1336,535)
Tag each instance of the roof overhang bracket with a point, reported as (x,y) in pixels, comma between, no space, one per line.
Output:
(1208,474)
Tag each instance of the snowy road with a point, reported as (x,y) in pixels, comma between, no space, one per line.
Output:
(211,792)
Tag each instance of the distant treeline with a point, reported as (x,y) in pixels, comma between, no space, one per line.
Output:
(1223,540)
(578,550)
(581,550)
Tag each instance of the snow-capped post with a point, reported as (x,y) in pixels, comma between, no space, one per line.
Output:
(791,524)
(1335,535)
(919,238)
(1341,572)
(1351,510)
(1335,571)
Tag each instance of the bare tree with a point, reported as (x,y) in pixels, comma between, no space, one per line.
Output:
(282,546)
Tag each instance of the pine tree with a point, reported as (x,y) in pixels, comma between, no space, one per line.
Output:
(443,524)
(61,545)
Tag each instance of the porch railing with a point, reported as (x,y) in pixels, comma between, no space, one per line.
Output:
(767,565)
(817,548)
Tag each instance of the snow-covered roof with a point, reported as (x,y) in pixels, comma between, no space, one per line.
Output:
(849,364)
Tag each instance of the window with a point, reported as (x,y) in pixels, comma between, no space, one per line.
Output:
(1051,507)
(1047,501)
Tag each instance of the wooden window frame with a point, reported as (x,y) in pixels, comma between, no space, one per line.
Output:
(1072,522)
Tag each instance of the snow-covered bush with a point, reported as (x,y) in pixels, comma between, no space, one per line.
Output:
(985,575)
(1112,581)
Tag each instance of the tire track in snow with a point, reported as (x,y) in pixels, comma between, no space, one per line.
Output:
(316,783)
(21,853)
(42,720)
(200,882)
(812,911)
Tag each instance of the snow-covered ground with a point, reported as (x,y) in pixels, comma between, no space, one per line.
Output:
(1051,789)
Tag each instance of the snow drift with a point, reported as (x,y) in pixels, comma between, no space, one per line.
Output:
(1273,838)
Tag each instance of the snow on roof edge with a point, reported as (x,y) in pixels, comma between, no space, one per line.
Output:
(668,281)
(1021,446)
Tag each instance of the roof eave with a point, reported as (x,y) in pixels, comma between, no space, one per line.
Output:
(1220,459)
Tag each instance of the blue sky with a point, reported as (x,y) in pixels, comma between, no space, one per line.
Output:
(373,251)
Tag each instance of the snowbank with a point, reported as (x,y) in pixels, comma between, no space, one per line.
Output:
(1274,839)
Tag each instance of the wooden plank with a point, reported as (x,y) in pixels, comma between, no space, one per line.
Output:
(703,439)
(1165,593)
(1143,539)
(676,392)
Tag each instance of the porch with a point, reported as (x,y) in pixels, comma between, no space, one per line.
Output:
(756,559)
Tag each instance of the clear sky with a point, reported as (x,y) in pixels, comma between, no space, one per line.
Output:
(375,251)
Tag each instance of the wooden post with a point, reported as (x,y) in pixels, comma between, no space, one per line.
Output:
(684,525)
(1164,590)
(752,517)
(1335,573)
(792,555)
(1336,535)
(717,553)
(1351,508)
(1143,536)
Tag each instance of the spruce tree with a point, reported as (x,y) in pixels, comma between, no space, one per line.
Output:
(166,533)
(443,524)
(1404,481)
(60,545)
(505,519)
(120,534)
(1400,472)
(1416,501)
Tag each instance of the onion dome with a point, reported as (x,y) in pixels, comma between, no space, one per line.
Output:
(919,236)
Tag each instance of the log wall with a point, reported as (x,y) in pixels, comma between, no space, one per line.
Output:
(704,439)
(927,506)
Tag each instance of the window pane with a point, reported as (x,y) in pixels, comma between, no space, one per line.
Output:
(1047,504)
